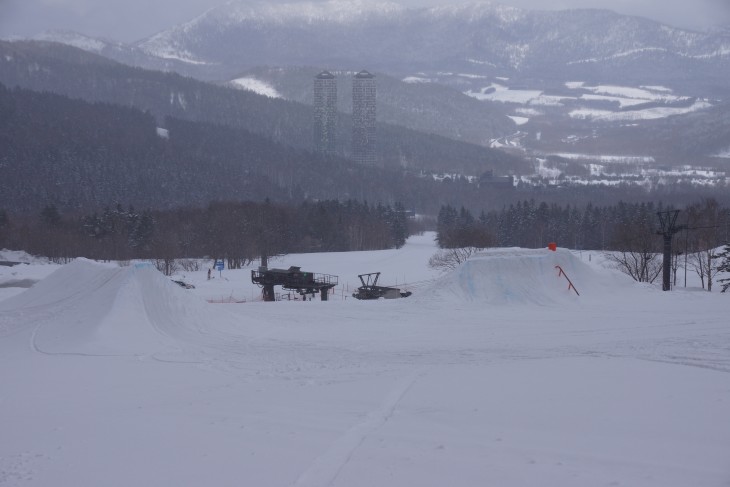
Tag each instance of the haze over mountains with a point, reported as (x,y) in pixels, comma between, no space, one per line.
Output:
(569,97)
(466,47)
(491,39)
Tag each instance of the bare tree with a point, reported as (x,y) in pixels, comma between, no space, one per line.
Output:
(642,266)
(702,264)
(168,266)
(190,265)
(450,259)
(637,254)
(705,220)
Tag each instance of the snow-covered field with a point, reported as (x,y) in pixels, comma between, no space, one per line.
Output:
(494,374)
(623,96)
(646,114)
(500,93)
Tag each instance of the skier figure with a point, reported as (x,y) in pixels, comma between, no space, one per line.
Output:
(209,274)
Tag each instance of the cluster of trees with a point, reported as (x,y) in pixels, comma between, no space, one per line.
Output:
(627,230)
(459,229)
(533,225)
(237,232)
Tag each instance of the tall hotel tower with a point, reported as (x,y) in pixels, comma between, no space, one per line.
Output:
(325,112)
(363,118)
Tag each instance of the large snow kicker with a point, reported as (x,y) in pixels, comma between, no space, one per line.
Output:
(520,276)
(97,309)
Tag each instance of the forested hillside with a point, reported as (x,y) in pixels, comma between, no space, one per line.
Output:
(74,154)
(78,74)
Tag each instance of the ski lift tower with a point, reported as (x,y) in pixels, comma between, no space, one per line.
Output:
(669,227)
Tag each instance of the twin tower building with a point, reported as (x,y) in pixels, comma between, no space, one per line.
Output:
(363,115)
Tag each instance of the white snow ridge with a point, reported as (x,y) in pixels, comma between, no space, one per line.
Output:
(257,86)
(96,309)
(497,373)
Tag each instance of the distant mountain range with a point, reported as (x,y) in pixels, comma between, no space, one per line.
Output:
(481,38)
(578,85)
(46,66)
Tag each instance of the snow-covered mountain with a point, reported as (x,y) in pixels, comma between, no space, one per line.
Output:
(75,39)
(484,38)
(574,82)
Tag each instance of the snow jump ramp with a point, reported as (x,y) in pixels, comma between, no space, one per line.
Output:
(516,275)
(91,308)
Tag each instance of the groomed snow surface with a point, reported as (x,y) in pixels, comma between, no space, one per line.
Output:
(495,374)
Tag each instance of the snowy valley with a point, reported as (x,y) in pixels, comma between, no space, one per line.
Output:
(496,373)
(569,90)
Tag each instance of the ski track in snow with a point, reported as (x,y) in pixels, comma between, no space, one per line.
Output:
(326,468)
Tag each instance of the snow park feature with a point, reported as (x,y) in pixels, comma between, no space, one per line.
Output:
(493,374)
(515,276)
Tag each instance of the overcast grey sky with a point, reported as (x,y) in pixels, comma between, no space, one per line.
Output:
(129,20)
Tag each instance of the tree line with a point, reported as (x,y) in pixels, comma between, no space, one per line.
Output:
(237,232)
(532,225)
(627,231)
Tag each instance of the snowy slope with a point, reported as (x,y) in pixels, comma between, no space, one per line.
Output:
(257,86)
(494,374)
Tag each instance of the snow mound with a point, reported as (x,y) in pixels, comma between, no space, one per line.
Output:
(98,309)
(521,276)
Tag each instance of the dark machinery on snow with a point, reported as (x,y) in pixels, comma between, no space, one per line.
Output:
(293,279)
(371,290)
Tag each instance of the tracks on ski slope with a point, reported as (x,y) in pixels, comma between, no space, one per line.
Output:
(327,467)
